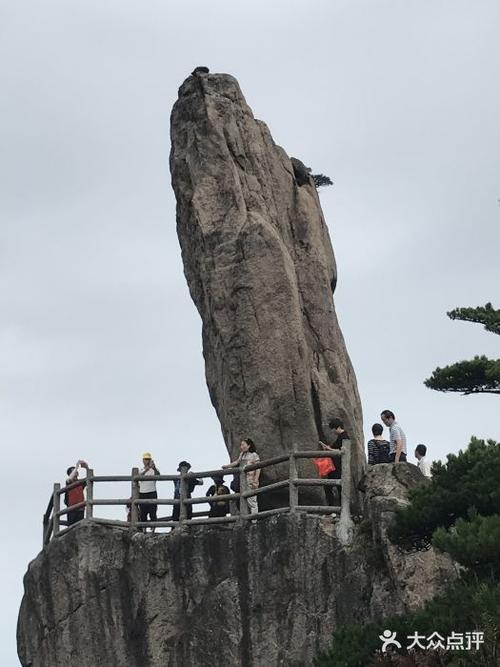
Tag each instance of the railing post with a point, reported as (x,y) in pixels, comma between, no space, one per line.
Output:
(345,526)
(243,488)
(293,491)
(56,509)
(234,507)
(134,495)
(89,508)
(183,493)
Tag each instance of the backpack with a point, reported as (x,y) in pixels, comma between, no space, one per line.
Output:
(324,466)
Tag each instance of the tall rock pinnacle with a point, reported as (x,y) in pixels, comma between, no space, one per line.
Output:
(260,268)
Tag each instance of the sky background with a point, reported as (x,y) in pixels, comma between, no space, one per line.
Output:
(100,344)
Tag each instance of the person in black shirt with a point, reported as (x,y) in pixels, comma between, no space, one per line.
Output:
(184,466)
(218,488)
(378,447)
(337,426)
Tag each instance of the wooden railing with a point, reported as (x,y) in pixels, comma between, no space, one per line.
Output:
(55,518)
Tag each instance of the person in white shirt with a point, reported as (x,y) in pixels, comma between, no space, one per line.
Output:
(397,448)
(147,488)
(423,465)
(248,455)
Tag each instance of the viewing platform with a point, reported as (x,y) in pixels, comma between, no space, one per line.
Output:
(55,522)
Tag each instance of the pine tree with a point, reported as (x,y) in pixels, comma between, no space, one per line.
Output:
(321,180)
(458,512)
(468,483)
(475,544)
(479,375)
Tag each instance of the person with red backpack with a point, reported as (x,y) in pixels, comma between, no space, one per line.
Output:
(75,495)
(338,427)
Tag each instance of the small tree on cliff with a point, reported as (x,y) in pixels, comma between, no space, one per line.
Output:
(479,375)
(321,180)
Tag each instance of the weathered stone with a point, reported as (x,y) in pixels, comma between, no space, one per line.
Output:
(386,489)
(260,268)
(257,595)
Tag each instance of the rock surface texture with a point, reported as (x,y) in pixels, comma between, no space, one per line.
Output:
(385,488)
(260,268)
(247,595)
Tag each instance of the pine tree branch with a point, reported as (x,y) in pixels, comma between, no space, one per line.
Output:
(477,376)
(486,315)
(320,180)
(477,390)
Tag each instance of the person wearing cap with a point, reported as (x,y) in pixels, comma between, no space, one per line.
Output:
(147,488)
(183,468)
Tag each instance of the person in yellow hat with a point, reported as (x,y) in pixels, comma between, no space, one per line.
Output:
(147,488)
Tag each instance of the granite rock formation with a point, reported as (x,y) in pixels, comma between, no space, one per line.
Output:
(257,595)
(261,270)
(385,488)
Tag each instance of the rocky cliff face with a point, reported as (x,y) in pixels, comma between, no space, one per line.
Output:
(256,595)
(260,267)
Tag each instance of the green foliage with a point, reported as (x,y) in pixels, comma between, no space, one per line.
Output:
(474,544)
(479,375)
(486,315)
(321,180)
(464,607)
(352,645)
(459,513)
(468,482)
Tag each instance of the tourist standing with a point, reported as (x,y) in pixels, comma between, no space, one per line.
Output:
(191,482)
(147,488)
(75,496)
(337,427)
(248,456)
(423,465)
(378,446)
(397,450)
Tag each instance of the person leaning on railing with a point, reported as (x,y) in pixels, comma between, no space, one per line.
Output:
(75,495)
(248,455)
(184,467)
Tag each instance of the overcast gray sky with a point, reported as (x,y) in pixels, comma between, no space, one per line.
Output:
(100,355)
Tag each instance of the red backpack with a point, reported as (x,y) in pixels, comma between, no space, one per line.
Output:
(324,466)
